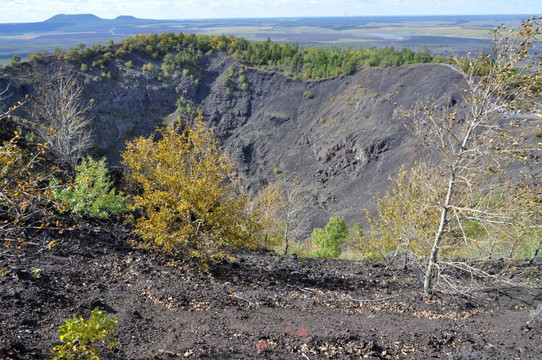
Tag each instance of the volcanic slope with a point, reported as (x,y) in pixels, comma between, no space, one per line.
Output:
(342,136)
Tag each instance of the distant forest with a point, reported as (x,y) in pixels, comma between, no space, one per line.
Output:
(185,51)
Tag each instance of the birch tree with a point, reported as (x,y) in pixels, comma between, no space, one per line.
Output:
(279,205)
(486,160)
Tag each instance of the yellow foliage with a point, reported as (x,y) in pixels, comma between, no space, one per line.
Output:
(407,214)
(190,204)
(490,219)
(270,205)
(20,193)
(278,208)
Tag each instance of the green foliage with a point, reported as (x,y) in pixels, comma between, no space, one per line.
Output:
(184,110)
(37,56)
(355,233)
(244,86)
(148,67)
(83,338)
(90,193)
(190,204)
(185,51)
(307,94)
(15,60)
(129,64)
(327,242)
(227,82)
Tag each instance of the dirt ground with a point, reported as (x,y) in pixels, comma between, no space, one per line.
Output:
(261,306)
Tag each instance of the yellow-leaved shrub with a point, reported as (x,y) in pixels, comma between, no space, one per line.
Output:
(190,204)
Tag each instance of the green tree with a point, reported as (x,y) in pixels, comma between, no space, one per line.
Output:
(327,242)
(37,56)
(149,67)
(91,192)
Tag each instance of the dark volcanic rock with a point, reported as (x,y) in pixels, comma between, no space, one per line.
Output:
(343,136)
(260,306)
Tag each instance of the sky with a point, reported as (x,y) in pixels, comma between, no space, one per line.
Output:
(38,10)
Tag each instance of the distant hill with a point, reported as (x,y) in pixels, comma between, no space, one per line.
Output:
(71,19)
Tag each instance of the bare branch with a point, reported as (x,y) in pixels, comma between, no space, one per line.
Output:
(60,117)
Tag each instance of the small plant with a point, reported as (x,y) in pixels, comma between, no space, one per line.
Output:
(245,87)
(288,330)
(91,192)
(37,56)
(538,131)
(83,338)
(227,82)
(36,273)
(15,60)
(276,170)
(328,241)
(307,94)
(147,67)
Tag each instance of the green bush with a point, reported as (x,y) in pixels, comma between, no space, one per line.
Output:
(37,56)
(90,193)
(82,338)
(327,242)
(307,94)
(228,83)
(15,60)
(147,67)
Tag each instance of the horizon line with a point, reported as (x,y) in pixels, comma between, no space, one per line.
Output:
(276,17)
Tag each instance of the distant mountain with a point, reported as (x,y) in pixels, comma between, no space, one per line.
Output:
(73,23)
(126,17)
(77,18)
